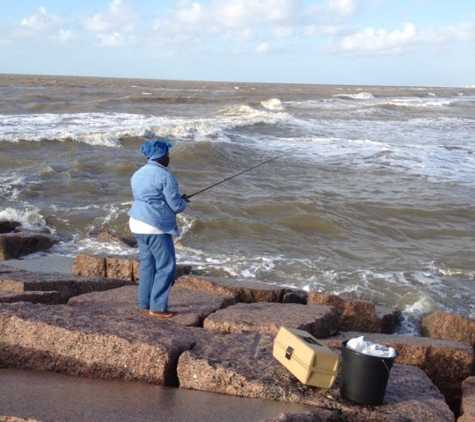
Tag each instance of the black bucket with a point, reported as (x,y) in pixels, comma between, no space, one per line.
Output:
(363,377)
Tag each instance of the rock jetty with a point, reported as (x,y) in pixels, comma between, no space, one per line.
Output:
(87,324)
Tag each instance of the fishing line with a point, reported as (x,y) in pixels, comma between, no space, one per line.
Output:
(235,175)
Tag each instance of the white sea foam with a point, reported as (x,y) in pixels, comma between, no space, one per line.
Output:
(11,185)
(107,129)
(272,104)
(29,218)
(411,315)
(358,96)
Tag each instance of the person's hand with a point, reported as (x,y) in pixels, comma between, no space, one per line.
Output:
(185,197)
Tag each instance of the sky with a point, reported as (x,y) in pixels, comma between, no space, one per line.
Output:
(348,42)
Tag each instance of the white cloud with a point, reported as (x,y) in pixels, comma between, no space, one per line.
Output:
(379,40)
(65,36)
(115,39)
(221,16)
(263,48)
(466,31)
(40,21)
(332,11)
(342,7)
(283,32)
(119,17)
(371,40)
(242,13)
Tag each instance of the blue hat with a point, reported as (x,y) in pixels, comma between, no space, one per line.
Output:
(154,150)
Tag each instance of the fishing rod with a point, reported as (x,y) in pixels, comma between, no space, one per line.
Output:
(235,175)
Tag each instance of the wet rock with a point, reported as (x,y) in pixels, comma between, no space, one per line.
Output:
(114,237)
(15,245)
(8,226)
(357,315)
(467,408)
(295,296)
(73,341)
(446,363)
(242,364)
(263,317)
(442,325)
(192,306)
(247,290)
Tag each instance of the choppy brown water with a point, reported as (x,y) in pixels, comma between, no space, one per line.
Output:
(373,200)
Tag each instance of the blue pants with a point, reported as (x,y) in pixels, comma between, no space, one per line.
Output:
(157,270)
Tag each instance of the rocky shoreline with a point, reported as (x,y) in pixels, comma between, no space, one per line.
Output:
(86,324)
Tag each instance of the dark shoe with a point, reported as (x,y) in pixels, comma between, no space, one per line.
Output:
(158,314)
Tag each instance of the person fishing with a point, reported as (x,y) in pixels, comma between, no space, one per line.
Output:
(153,222)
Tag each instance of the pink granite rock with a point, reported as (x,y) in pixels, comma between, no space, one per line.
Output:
(264,317)
(242,364)
(122,268)
(114,266)
(66,286)
(114,237)
(192,306)
(467,406)
(89,266)
(247,290)
(47,298)
(444,326)
(76,342)
(357,315)
(317,415)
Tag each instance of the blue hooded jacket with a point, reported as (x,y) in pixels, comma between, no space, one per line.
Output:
(157,200)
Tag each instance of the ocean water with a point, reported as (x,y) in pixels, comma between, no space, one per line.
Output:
(372,195)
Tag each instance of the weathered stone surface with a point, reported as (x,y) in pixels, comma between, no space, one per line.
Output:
(446,363)
(295,296)
(357,315)
(247,290)
(467,407)
(122,268)
(265,317)
(442,325)
(114,237)
(7,271)
(89,266)
(192,306)
(72,341)
(8,226)
(317,415)
(15,245)
(114,266)
(66,286)
(47,298)
(242,365)
(101,325)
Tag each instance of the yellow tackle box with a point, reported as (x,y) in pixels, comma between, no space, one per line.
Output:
(311,362)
